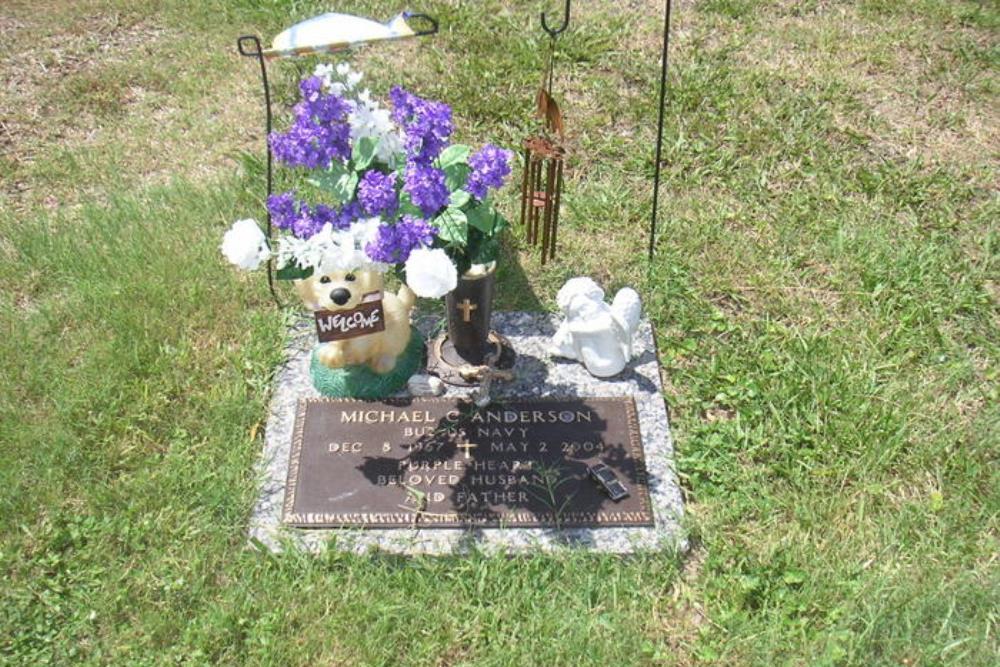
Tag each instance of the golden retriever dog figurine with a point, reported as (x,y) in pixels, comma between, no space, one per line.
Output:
(345,290)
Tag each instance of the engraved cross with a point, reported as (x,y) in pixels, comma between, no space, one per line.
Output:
(467,307)
(466,446)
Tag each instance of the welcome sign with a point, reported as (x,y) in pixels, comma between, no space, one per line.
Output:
(364,319)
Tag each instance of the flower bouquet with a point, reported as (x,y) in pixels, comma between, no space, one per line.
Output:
(387,192)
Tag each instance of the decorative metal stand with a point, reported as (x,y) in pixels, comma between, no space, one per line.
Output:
(250,46)
(257,52)
(541,188)
(659,127)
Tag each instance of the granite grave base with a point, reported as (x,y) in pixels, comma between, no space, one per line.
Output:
(537,375)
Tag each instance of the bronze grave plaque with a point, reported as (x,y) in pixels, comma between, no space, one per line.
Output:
(445,463)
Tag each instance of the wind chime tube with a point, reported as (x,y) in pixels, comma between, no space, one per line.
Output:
(530,196)
(524,183)
(557,196)
(547,215)
(541,194)
(532,209)
(536,202)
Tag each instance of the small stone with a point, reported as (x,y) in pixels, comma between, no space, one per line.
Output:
(425,385)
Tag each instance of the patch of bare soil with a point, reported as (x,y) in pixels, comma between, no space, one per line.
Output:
(912,102)
(680,617)
(77,80)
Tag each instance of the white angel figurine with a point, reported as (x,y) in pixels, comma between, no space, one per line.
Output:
(595,333)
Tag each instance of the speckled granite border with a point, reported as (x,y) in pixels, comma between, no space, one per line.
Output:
(536,375)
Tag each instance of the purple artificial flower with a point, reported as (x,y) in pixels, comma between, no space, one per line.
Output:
(402,104)
(302,220)
(394,243)
(427,188)
(321,107)
(312,146)
(320,132)
(306,224)
(350,213)
(283,209)
(311,88)
(416,232)
(490,167)
(426,124)
(324,215)
(377,193)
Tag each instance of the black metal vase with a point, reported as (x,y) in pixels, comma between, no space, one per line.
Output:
(470,306)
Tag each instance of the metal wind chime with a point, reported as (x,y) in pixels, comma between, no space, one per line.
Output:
(544,154)
(541,189)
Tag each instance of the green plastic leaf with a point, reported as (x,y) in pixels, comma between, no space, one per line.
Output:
(322,179)
(487,250)
(338,180)
(292,272)
(407,207)
(459,198)
(453,227)
(455,176)
(364,152)
(500,223)
(345,187)
(454,154)
(482,218)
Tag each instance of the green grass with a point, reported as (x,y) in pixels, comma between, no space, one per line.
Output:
(825,292)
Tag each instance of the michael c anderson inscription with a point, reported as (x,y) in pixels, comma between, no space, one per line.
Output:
(445,463)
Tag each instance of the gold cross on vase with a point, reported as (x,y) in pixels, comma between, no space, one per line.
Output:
(467,307)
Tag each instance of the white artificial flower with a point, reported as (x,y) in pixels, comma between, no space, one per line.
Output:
(340,80)
(369,119)
(289,249)
(332,249)
(325,72)
(365,231)
(430,273)
(245,245)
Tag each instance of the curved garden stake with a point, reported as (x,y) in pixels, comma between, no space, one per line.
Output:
(327,33)
(659,128)
(547,107)
(258,53)
(553,32)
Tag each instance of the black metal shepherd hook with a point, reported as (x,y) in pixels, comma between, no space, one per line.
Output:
(258,53)
(550,60)
(565,23)
(659,128)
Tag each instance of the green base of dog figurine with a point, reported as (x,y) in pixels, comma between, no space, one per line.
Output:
(360,381)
